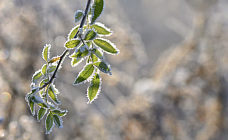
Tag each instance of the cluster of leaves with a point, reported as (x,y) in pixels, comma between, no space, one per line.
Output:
(87,43)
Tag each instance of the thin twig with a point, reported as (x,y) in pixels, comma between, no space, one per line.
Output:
(56,69)
(84,17)
(67,50)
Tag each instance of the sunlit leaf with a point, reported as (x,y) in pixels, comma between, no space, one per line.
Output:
(75,62)
(82,52)
(104,67)
(84,74)
(31,106)
(90,35)
(58,121)
(52,95)
(42,111)
(42,105)
(70,44)
(97,9)
(59,112)
(94,88)
(51,69)
(106,45)
(37,76)
(46,52)
(44,69)
(98,53)
(94,57)
(49,123)
(101,29)
(73,32)
(78,15)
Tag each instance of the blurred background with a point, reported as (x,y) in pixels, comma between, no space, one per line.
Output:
(170,81)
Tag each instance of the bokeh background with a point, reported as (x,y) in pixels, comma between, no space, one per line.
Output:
(170,81)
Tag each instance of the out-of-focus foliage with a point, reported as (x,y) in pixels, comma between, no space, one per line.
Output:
(182,96)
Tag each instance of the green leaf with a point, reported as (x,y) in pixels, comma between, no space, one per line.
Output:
(78,15)
(71,44)
(52,95)
(89,44)
(75,62)
(98,53)
(90,35)
(101,29)
(84,74)
(43,105)
(31,106)
(94,88)
(42,111)
(81,52)
(49,123)
(104,67)
(97,9)
(59,112)
(106,45)
(58,121)
(51,105)
(51,69)
(37,76)
(44,69)
(46,52)
(94,57)
(73,32)
(37,99)
(43,82)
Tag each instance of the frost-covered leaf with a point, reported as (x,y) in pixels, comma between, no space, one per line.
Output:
(98,53)
(49,123)
(52,95)
(58,121)
(59,112)
(94,57)
(31,106)
(94,88)
(51,69)
(54,59)
(84,74)
(101,29)
(42,111)
(46,52)
(97,9)
(44,69)
(75,62)
(90,35)
(37,99)
(51,105)
(103,66)
(44,105)
(89,43)
(70,44)
(43,82)
(78,15)
(81,52)
(73,32)
(106,45)
(37,76)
